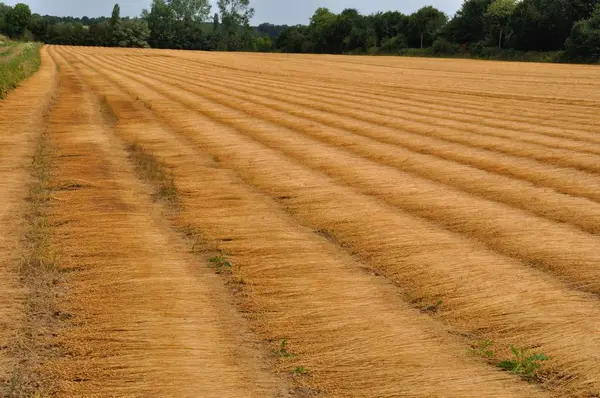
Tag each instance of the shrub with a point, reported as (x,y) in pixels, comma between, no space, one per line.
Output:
(444,47)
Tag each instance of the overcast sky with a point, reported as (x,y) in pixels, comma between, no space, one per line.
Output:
(289,12)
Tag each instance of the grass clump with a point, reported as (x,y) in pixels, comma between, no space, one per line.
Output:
(18,63)
(221,264)
(300,371)
(150,168)
(484,349)
(283,350)
(524,363)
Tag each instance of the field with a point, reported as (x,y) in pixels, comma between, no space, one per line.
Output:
(181,224)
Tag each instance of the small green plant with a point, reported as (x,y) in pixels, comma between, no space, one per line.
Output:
(483,348)
(221,264)
(523,364)
(283,351)
(299,371)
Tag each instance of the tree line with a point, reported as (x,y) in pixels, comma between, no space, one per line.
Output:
(479,27)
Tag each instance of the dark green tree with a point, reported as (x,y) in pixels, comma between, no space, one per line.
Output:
(584,41)
(468,25)
(497,17)
(17,19)
(116,15)
(424,26)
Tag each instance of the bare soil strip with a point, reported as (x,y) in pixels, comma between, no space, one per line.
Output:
(563,250)
(140,317)
(349,330)
(22,118)
(559,207)
(520,306)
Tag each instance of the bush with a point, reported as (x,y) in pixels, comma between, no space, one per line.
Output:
(477,49)
(393,44)
(373,50)
(443,47)
(584,41)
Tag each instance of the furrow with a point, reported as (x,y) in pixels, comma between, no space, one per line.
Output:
(141,317)
(375,85)
(580,212)
(21,123)
(349,329)
(580,156)
(563,250)
(399,108)
(566,180)
(521,306)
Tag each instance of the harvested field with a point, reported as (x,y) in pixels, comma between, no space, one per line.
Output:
(270,226)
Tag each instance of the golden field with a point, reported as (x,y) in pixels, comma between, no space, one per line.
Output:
(265,225)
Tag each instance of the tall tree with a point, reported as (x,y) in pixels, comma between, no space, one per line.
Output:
(584,41)
(216,23)
(191,10)
(18,18)
(235,13)
(498,15)
(161,22)
(116,15)
(468,25)
(425,25)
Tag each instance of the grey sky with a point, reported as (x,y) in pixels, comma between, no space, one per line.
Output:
(274,11)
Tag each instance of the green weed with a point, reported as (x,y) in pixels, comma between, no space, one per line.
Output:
(299,371)
(283,351)
(221,264)
(483,348)
(523,364)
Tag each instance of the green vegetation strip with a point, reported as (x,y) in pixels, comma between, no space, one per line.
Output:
(17,64)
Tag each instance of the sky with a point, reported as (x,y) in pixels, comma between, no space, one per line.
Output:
(289,12)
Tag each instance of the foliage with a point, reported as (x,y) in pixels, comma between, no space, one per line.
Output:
(21,62)
(523,364)
(191,10)
(497,17)
(584,41)
(424,26)
(393,44)
(443,46)
(517,29)
(17,19)
(468,25)
(116,15)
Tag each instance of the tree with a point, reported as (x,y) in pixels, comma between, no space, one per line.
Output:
(193,10)
(389,25)
(4,11)
(585,38)
(468,25)
(216,24)
(17,19)
(235,13)
(425,25)
(498,15)
(116,15)
(131,33)
(235,20)
(161,22)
